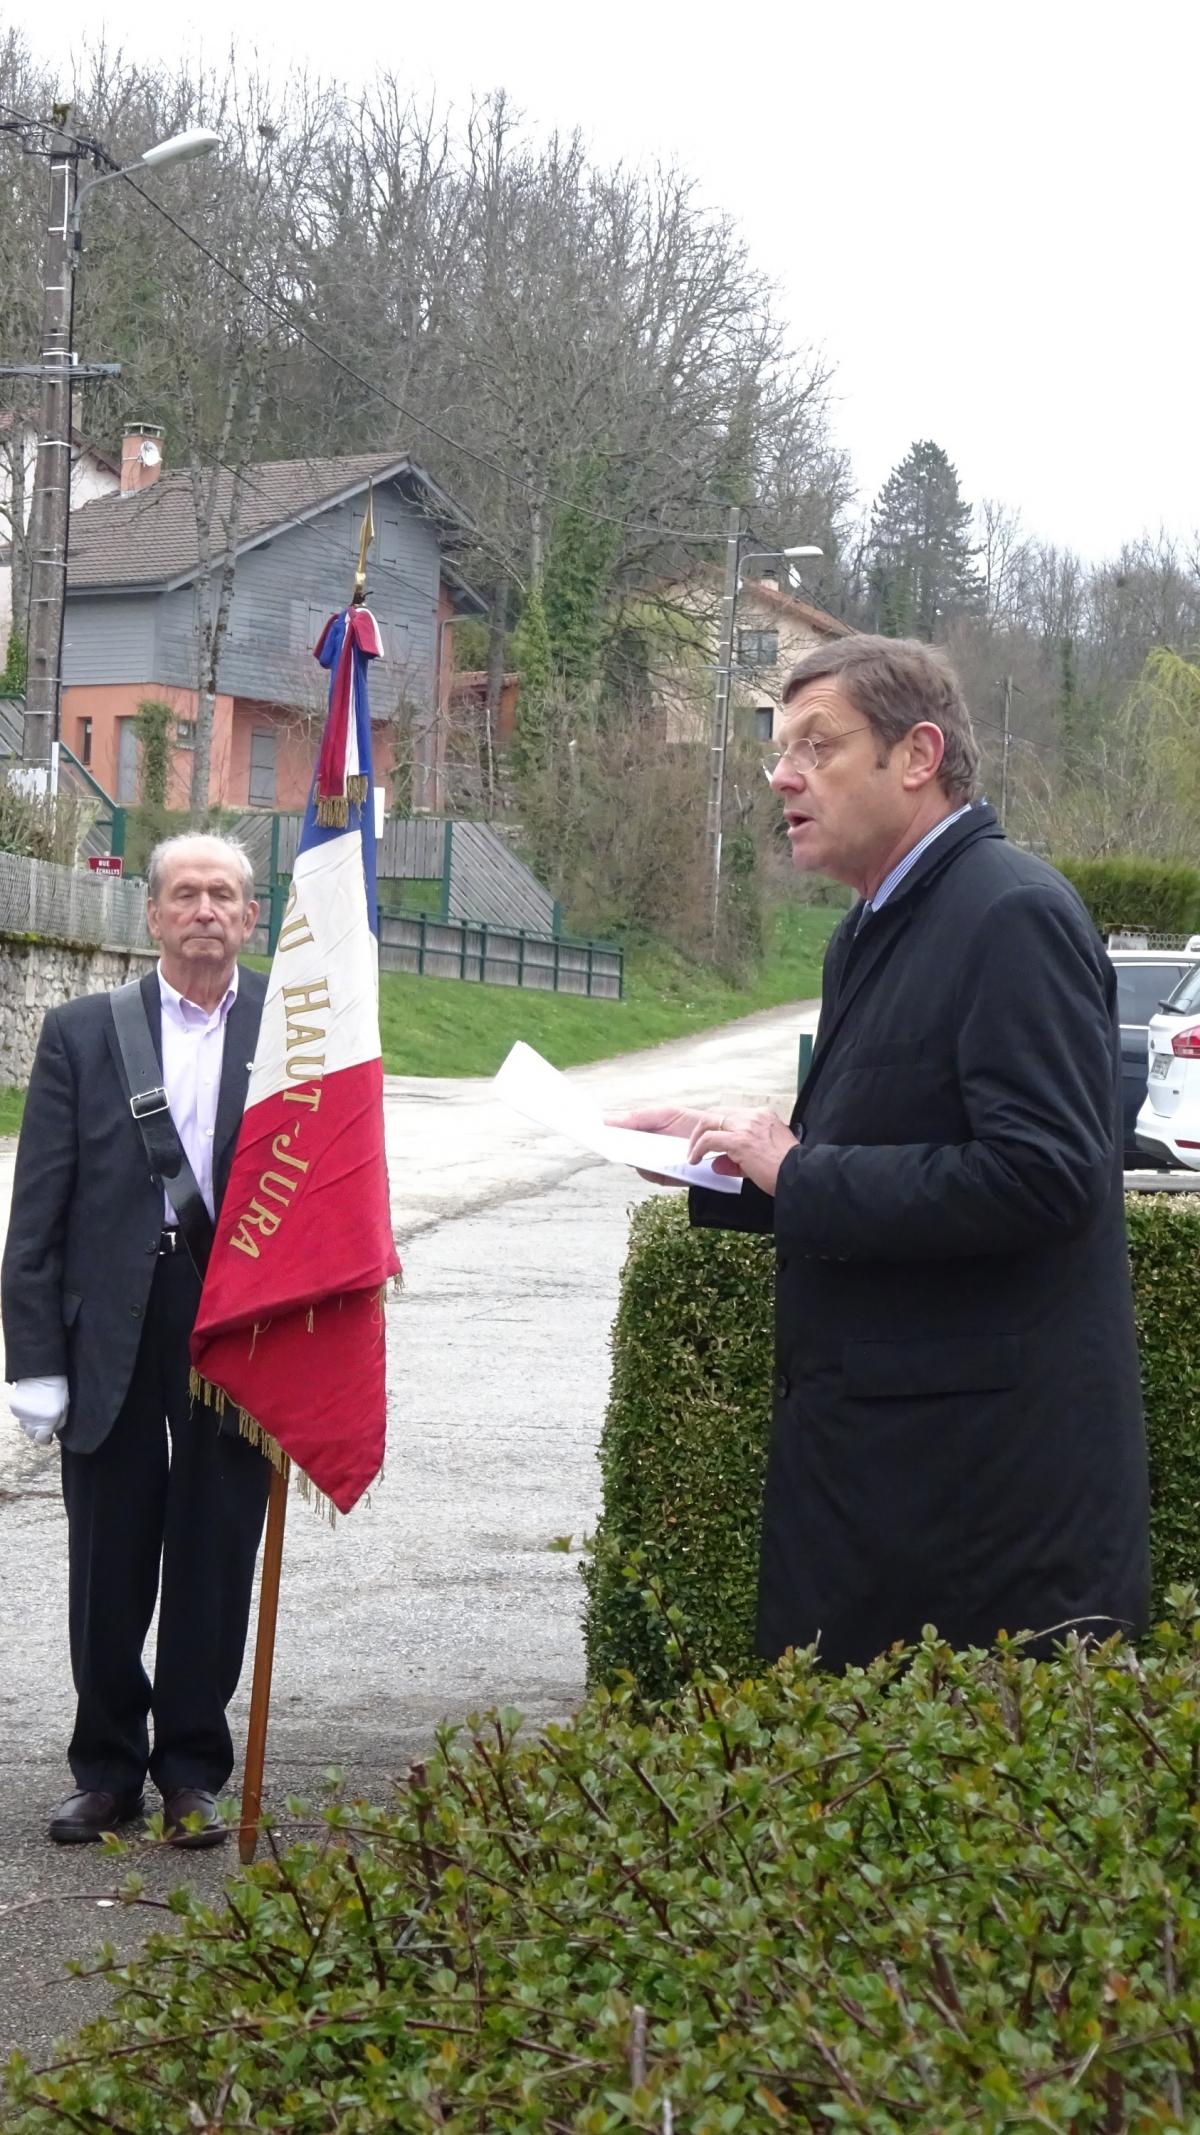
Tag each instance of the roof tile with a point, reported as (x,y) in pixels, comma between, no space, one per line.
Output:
(148,538)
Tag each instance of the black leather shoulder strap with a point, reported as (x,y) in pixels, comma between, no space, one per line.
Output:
(160,1135)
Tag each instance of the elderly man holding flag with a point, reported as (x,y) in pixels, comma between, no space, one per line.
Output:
(129,1131)
(290,1330)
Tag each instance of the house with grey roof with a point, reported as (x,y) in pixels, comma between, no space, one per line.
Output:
(134,628)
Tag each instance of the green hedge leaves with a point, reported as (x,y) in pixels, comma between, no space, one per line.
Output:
(685,1439)
(964,1900)
(958,1895)
(1155,896)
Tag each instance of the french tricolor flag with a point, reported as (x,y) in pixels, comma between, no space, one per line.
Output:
(291,1325)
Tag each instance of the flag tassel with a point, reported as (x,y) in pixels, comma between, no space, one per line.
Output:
(215,1398)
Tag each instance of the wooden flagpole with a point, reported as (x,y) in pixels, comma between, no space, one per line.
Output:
(264,1662)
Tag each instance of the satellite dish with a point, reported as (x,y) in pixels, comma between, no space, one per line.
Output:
(149,453)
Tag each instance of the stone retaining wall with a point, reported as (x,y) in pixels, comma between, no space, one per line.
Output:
(37,975)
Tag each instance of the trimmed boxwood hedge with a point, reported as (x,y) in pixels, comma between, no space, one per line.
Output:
(684,1443)
(1161,896)
(965,1900)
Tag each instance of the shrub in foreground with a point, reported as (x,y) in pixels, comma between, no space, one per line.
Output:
(685,1439)
(958,1894)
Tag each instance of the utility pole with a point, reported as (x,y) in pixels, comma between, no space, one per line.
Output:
(1008,692)
(720,715)
(51,503)
(50,506)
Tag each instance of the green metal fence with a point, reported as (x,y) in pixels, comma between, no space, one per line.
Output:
(432,947)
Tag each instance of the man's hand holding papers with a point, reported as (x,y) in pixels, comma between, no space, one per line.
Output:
(529,1085)
(739,1144)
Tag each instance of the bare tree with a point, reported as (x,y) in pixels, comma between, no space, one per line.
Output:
(1001,549)
(201,326)
(549,317)
(25,96)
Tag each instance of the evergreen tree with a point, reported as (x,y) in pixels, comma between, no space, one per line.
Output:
(531,647)
(13,674)
(582,552)
(1070,708)
(922,568)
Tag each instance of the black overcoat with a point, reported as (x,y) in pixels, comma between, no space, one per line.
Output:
(87,1217)
(958,1436)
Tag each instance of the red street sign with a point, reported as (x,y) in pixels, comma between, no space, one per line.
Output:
(106,863)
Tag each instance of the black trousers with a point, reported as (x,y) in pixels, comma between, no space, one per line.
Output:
(168,1498)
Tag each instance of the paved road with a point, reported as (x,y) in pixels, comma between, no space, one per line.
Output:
(444,1593)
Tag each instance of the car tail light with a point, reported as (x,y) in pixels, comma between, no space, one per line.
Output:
(1186,1043)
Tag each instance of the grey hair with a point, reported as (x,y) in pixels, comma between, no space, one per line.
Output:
(897,684)
(169,849)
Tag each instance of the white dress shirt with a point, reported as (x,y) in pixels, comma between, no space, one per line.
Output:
(193,1048)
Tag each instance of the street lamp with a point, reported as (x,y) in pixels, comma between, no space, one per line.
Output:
(807,549)
(735,557)
(180,148)
(58,369)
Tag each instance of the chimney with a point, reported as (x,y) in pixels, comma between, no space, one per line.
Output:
(141,457)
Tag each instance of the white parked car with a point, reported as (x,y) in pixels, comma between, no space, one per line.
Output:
(1145,979)
(1168,1125)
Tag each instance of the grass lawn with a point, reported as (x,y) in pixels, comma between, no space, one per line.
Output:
(455,1027)
(452,1027)
(12,1109)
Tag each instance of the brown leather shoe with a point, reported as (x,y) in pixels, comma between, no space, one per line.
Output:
(184,1804)
(85,1816)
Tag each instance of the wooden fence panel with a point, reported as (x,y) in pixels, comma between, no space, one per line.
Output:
(487,885)
(411,848)
(487,882)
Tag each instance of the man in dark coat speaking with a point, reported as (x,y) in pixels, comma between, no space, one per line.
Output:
(958,1435)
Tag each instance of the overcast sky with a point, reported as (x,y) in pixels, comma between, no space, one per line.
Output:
(987,216)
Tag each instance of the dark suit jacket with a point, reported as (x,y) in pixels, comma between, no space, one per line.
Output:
(958,1434)
(86,1216)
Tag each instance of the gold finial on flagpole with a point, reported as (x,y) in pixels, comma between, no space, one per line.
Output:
(365,539)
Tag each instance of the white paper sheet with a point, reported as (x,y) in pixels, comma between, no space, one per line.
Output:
(529,1085)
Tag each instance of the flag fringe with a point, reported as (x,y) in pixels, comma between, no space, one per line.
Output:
(202,1389)
(215,1398)
(357,789)
(333,811)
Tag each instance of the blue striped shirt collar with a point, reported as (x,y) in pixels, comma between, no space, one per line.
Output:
(905,866)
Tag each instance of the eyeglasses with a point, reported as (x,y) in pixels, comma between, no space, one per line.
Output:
(808,753)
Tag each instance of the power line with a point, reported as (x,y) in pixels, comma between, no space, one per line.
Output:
(287,316)
(995,727)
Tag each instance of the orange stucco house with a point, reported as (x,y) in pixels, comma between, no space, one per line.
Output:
(132,633)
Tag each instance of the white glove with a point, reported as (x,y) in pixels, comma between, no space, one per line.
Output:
(40,1407)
